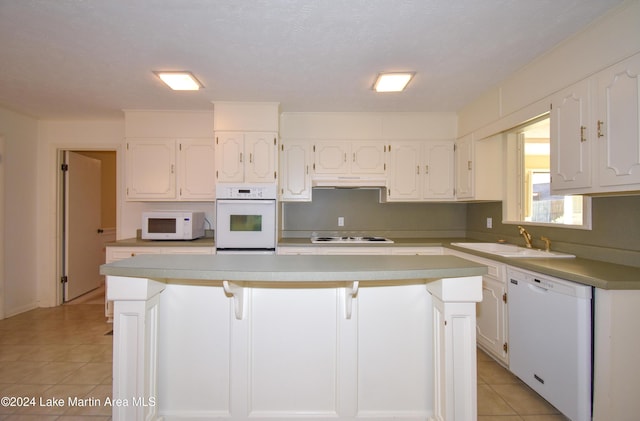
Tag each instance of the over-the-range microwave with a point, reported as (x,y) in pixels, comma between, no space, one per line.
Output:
(172,225)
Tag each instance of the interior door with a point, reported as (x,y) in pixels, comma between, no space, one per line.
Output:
(83,244)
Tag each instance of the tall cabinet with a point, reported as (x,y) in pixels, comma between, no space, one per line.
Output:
(246,142)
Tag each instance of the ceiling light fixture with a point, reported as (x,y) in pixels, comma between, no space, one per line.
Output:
(392,82)
(179,81)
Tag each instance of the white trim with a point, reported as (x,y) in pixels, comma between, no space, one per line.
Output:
(2,274)
(49,287)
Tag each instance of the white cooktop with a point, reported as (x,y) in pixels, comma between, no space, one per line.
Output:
(351,239)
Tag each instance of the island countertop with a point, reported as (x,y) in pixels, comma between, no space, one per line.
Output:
(298,268)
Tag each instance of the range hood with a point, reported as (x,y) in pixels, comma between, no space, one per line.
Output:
(348,182)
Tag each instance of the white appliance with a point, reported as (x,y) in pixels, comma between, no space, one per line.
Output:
(550,340)
(246,218)
(350,239)
(172,225)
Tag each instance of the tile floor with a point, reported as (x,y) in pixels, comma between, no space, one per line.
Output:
(59,352)
(63,352)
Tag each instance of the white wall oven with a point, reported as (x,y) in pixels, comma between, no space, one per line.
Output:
(246,219)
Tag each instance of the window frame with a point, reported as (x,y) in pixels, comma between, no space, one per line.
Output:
(513,203)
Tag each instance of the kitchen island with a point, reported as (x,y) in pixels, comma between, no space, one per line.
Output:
(295,337)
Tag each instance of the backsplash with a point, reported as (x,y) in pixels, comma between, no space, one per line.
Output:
(614,237)
(363,213)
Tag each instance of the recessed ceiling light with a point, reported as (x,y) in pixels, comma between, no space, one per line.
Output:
(392,82)
(179,81)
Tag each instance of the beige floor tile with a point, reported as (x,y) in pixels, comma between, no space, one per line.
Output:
(544,418)
(499,418)
(90,373)
(493,373)
(524,400)
(96,403)
(490,403)
(51,373)
(54,400)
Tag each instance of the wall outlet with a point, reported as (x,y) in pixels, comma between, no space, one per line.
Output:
(489,222)
(341,221)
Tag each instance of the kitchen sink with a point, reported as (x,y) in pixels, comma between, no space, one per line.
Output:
(511,250)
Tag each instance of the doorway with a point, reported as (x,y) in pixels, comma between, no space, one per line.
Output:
(87,218)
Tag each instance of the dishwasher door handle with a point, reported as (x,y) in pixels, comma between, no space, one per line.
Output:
(538,289)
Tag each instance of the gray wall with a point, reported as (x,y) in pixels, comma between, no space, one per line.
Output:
(363,212)
(614,237)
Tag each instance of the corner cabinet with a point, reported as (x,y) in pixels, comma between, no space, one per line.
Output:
(248,157)
(170,169)
(420,170)
(595,133)
(491,312)
(479,168)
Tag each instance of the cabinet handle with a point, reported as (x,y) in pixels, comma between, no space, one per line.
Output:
(600,124)
(418,169)
(353,157)
(426,169)
(583,137)
(241,157)
(250,158)
(469,165)
(172,168)
(345,157)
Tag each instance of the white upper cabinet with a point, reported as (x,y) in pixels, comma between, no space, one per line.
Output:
(169,155)
(170,169)
(571,138)
(246,157)
(420,170)
(196,169)
(295,175)
(595,132)
(342,157)
(479,168)
(151,169)
(618,126)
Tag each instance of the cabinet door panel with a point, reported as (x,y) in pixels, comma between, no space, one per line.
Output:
(150,167)
(490,321)
(260,149)
(295,181)
(197,169)
(367,158)
(464,167)
(619,124)
(404,171)
(438,170)
(571,138)
(331,157)
(229,156)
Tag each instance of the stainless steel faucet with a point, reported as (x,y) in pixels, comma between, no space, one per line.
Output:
(526,235)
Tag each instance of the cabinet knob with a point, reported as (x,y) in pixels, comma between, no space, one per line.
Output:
(583,137)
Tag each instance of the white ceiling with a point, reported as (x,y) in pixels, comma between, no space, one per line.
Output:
(93,58)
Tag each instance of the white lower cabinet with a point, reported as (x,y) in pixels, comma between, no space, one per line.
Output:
(295,355)
(491,312)
(113,254)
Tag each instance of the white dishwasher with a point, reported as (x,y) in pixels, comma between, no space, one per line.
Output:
(550,345)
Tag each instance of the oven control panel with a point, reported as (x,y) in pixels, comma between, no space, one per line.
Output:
(246,191)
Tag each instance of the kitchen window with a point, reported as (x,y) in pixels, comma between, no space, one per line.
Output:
(529,198)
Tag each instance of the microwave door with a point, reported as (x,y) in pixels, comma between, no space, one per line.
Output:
(246,224)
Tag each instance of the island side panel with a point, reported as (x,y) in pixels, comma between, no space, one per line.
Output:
(295,354)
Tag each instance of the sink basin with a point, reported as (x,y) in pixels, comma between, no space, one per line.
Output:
(511,250)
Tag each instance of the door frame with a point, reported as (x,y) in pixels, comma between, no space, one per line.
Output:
(58,205)
(2,224)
